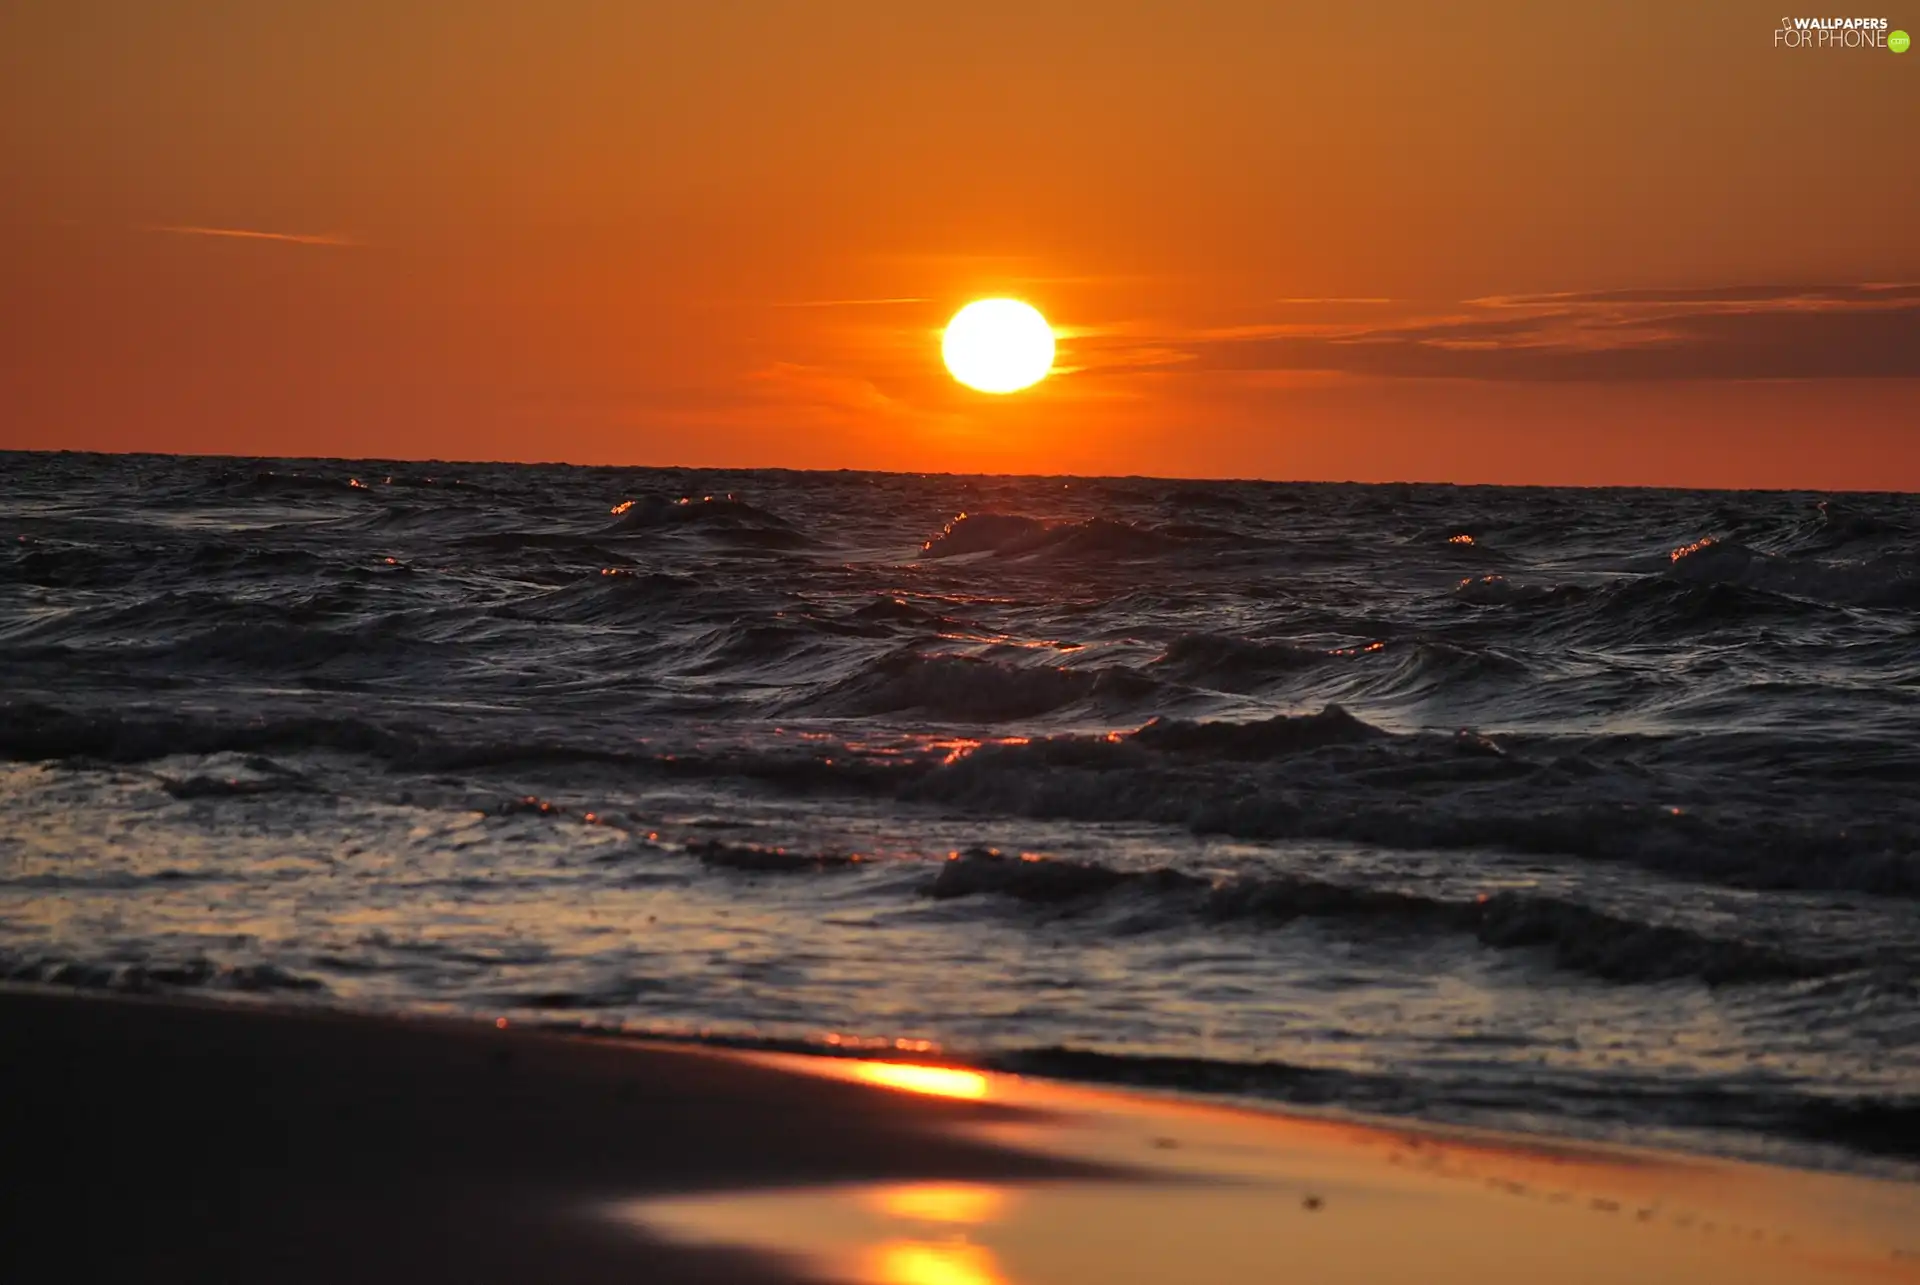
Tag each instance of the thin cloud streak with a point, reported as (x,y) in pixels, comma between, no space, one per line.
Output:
(250,234)
(1895,293)
(845,303)
(1852,331)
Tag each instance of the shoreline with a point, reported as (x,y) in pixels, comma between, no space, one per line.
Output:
(206,1139)
(848,471)
(215,1140)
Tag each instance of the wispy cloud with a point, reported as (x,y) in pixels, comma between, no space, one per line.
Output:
(846,303)
(821,395)
(251,234)
(1857,331)
(1718,296)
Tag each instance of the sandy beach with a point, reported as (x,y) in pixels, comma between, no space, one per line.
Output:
(170,1141)
(1178,642)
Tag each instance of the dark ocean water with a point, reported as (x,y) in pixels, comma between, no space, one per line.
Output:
(1595,812)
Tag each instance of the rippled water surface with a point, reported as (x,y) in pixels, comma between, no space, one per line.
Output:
(1591,811)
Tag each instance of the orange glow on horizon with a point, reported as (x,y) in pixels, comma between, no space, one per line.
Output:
(437,260)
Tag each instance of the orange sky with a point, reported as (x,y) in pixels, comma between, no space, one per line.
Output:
(1476,242)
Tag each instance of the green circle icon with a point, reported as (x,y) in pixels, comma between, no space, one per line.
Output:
(1898,41)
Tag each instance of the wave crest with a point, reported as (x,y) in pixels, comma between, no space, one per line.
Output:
(1008,535)
(974,689)
(725,518)
(1571,936)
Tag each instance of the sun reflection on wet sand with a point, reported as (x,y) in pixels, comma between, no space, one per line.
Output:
(935,1081)
(909,1262)
(1235,1197)
(942,1202)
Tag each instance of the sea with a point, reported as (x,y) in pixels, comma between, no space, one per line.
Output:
(1586,812)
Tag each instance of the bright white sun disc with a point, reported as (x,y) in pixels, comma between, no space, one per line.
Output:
(998,345)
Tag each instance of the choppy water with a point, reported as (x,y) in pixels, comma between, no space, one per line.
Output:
(1591,811)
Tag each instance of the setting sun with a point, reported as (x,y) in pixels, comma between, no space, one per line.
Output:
(998,345)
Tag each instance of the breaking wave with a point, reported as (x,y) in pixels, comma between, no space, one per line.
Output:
(973,689)
(623,715)
(1571,936)
(1008,535)
(722,517)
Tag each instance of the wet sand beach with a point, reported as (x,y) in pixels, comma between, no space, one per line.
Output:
(163,1140)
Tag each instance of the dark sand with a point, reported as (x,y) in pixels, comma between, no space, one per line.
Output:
(168,1141)
(158,1140)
